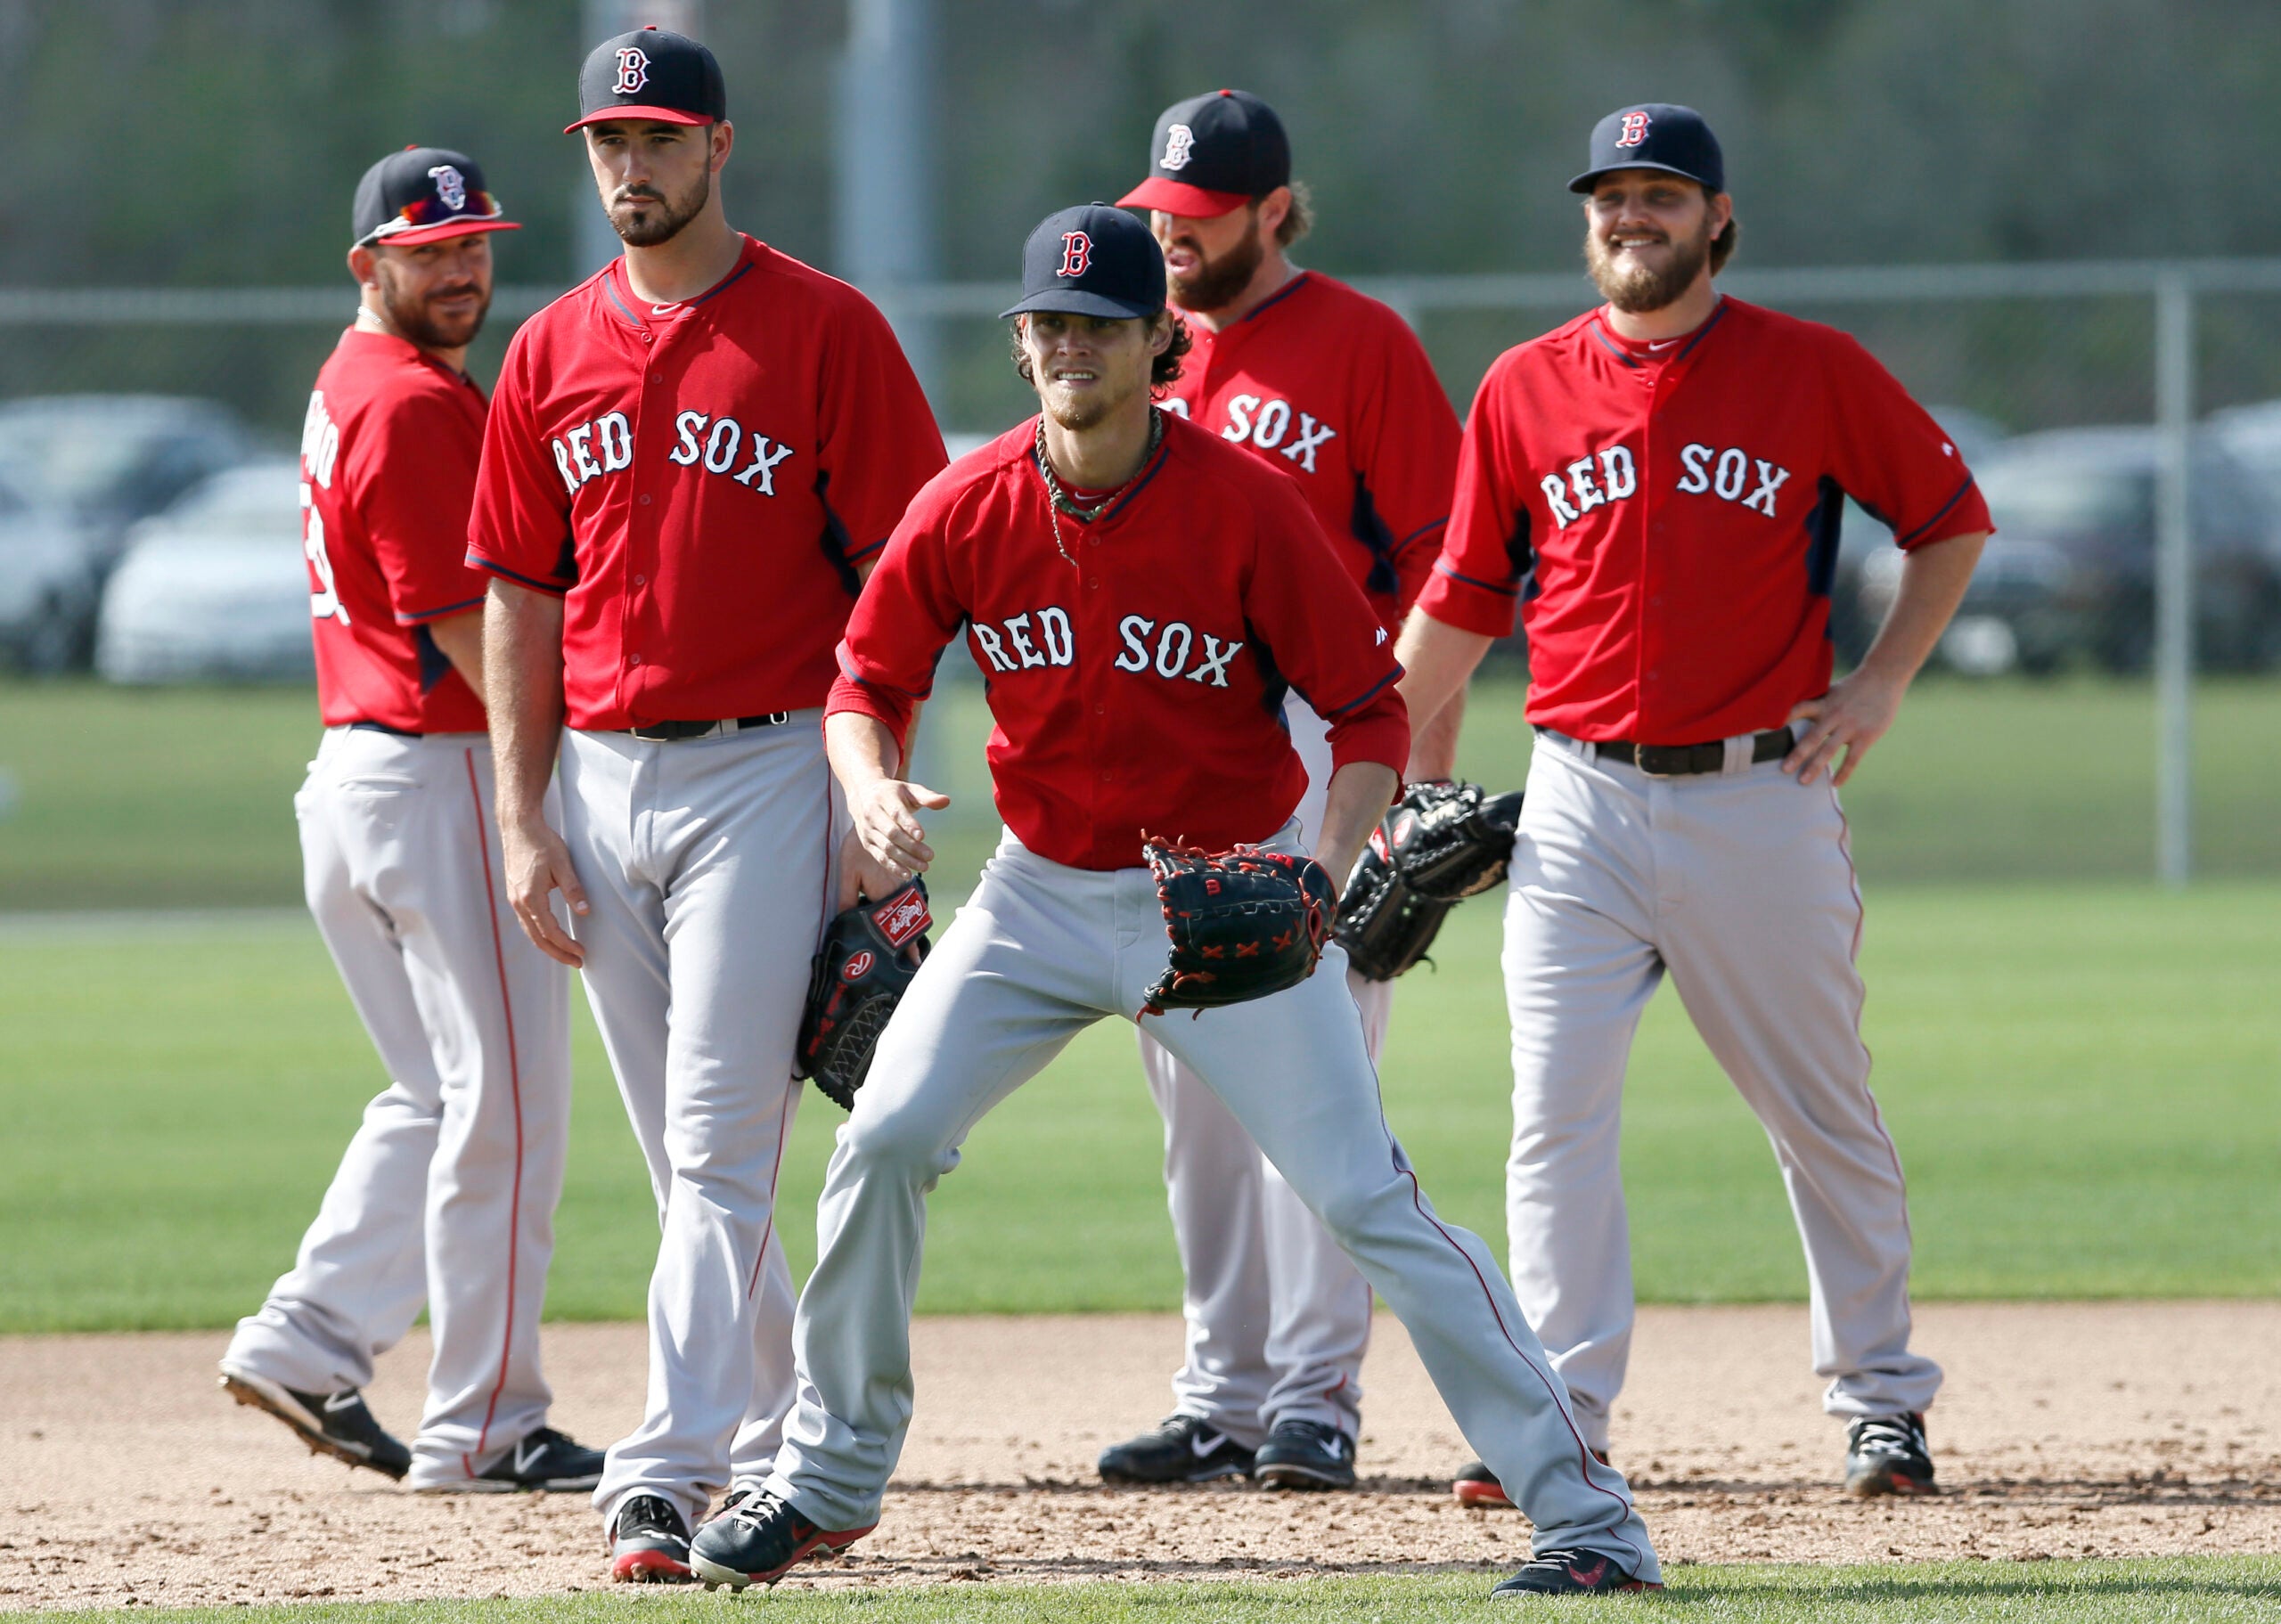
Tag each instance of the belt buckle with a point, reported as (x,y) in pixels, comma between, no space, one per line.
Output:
(1639,762)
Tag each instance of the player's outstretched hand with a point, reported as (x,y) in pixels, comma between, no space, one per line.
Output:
(886,822)
(1852,716)
(862,875)
(538,865)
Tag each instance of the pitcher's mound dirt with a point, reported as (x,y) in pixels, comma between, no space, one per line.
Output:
(2067,1430)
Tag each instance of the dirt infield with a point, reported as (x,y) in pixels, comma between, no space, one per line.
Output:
(2067,1430)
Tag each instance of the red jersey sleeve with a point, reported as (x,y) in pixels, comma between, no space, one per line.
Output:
(1412,456)
(1476,583)
(411,475)
(881,443)
(520,527)
(1321,633)
(907,614)
(1891,456)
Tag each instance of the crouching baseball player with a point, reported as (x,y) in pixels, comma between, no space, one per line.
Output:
(1140,593)
(1657,486)
(447,1194)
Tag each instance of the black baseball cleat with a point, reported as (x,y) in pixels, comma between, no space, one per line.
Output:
(1182,1449)
(648,1543)
(1571,1574)
(1888,1455)
(547,1462)
(1477,1486)
(339,1424)
(1305,1454)
(760,1541)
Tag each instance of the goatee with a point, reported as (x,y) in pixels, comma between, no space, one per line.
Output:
(1217,283)
(1635,288)
(665,217)
(428,332)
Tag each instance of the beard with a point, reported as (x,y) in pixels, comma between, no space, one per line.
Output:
(417,320)
(1082,412)
(1637,289)
(1217,283)
(663,220)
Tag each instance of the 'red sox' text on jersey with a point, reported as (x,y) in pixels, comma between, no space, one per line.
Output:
(1139,689)
(1331,387)
(1665,516)
(701,481)
(388,454)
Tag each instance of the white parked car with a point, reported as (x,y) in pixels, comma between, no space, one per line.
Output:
(215,587)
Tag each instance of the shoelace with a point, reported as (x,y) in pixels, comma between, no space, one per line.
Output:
(1559,1561)
(647,1511)
(760,1505)
(1887,1435)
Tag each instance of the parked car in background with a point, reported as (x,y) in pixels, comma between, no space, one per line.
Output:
(2251,436)
(109,460)
(49,586)
(215,588)
(1854,622)
(2070,576)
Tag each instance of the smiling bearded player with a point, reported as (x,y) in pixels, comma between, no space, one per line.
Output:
(1139,592)
(1655,488)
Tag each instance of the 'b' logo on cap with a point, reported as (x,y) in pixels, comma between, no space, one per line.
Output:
(1635,130)
(633,70)
(1180,145)
(1077,254)
(451,186)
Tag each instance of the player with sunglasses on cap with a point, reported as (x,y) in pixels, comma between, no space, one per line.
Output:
(447,1195)
(1331,387)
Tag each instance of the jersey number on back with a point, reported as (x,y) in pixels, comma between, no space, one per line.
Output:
(320,451)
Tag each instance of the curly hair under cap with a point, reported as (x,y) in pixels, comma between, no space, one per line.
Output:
(1163,372)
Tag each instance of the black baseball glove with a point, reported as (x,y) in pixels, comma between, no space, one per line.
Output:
(869,954)
(1440,842)
(1242,924)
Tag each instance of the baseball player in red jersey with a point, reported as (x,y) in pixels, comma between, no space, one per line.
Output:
(1656,488)
(1332,389)
(1139,593)
(690,459)
(447,1195)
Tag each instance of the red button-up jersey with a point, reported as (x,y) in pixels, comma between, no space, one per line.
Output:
(1141,687)
(389,451)
(1332,387)
(700,480)
(1665,516)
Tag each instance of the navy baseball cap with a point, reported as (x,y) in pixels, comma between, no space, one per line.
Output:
(423,195)
(1093,260)
(1213,154)
(1656,135)
(650,73)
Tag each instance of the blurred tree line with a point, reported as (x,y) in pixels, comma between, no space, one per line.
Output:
(204,142)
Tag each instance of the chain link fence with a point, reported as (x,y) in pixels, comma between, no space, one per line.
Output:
(2012,357)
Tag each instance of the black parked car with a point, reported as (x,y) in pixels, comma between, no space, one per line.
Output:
(2070,576)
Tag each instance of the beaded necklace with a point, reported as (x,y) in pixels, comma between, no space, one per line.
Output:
(1058,501)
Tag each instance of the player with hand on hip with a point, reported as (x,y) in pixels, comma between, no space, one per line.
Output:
(1656,488)
(1332,389)
(692,458)
(447,1195)
(1139,592)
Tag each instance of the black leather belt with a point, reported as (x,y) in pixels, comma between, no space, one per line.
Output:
(1685,761)
(668,732)
(383,727)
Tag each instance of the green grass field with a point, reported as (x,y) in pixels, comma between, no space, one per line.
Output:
(2081,1080)
(182,797)
(2172,1591)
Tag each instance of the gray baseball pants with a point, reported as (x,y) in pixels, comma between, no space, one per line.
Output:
(707,864)
(1038,953)
(1740,885)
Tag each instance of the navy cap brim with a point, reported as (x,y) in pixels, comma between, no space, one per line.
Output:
(1590,177)
(1073,301)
